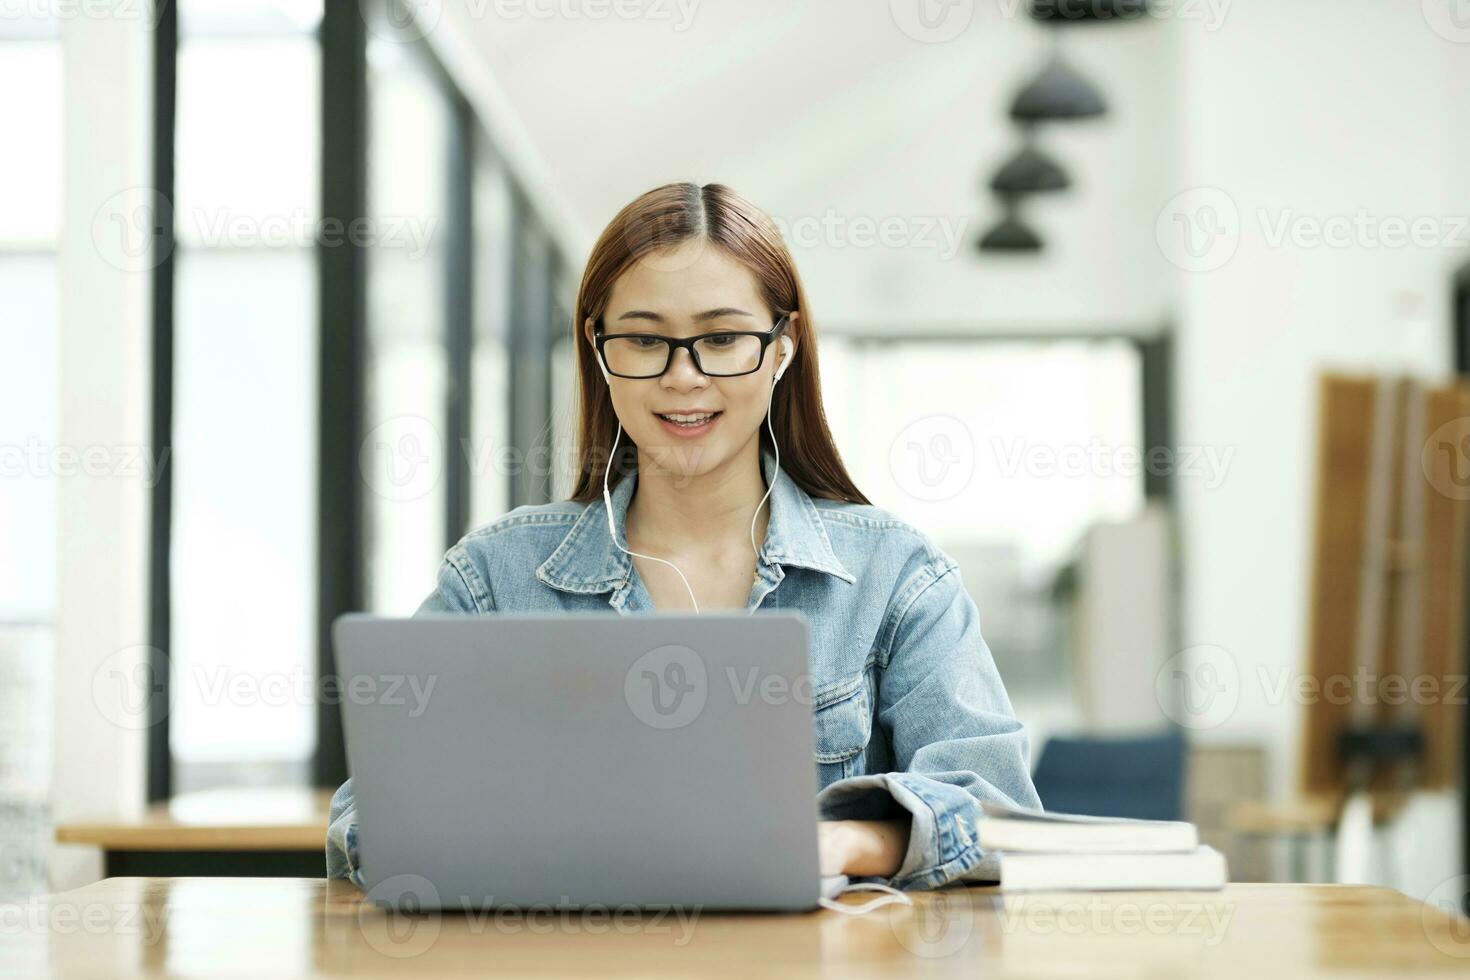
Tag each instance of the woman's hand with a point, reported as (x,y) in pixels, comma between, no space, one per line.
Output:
(862,847)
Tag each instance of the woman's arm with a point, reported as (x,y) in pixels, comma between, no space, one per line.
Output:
(956,741)
(862,848)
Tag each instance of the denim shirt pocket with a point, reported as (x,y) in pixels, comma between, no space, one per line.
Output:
(843,721)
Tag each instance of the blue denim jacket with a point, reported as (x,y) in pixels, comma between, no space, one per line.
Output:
(909,710)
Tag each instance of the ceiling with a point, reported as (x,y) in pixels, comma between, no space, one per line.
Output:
(834,120)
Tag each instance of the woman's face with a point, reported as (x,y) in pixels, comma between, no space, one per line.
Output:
(692,289)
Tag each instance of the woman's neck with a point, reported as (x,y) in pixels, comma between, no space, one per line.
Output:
(702,515)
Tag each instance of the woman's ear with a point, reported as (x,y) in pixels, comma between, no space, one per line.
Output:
(588,329)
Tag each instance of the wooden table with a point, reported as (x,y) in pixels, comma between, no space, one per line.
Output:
(284,927)
(249,832)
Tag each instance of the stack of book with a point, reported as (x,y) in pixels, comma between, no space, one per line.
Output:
(1066,852)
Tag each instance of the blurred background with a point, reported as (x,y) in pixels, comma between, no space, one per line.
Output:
(1151,314)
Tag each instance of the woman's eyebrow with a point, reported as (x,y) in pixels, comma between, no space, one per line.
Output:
(714,314)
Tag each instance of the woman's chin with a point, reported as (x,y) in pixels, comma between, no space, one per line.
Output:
(684,460)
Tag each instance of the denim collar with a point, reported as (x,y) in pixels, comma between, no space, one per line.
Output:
(587,561)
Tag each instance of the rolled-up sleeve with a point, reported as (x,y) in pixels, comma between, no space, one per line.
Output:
(955,738)
(453,594)
(342,836)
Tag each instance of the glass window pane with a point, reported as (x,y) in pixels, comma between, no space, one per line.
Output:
(247,155)
(565,406)
(245,18)
(244,546)
(31,460)
(243,575)
(26,654)
(404,455)
(30,181)
(490,368)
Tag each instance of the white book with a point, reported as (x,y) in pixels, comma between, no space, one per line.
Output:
(1007,828)
(1200,869)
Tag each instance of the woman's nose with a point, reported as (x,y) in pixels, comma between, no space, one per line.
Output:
(683,374)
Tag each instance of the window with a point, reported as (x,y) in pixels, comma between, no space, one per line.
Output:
(411,288)
(243,599)
(1004,453)
(30,459)
(405,450)
(489,424)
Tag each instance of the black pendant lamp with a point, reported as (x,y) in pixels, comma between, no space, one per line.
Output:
(1081,11)
(1010,233)
(1059,92)
(1030,171)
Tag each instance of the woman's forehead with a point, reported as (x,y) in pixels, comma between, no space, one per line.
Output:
(686,281)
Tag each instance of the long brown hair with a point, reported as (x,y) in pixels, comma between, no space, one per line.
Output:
(660,220)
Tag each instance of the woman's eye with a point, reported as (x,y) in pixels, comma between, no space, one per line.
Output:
(647,342)
(721,340)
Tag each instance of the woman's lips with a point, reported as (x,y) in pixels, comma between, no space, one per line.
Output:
(689,431)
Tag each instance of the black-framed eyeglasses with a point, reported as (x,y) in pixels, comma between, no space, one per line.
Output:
(726,354)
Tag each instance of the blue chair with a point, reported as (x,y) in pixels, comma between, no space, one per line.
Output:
(1139,777)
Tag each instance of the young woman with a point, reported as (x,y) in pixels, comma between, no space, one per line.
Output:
(698,372)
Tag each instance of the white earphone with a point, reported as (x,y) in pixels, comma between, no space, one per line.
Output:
(786,358)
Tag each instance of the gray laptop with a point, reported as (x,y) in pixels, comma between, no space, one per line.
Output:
(582,760)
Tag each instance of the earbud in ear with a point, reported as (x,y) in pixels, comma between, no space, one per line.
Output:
(596,356)
(785,358)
